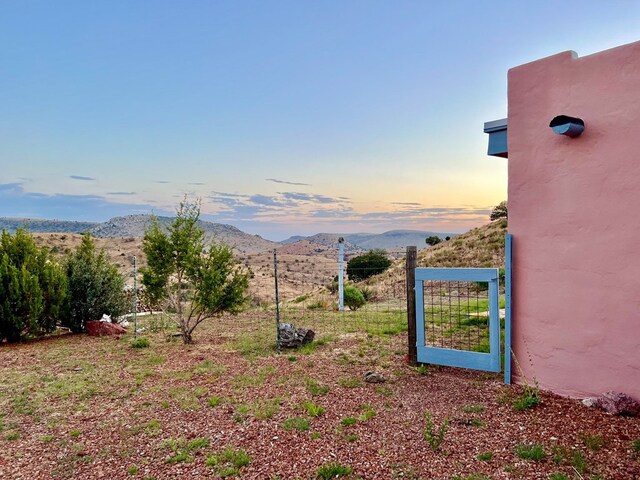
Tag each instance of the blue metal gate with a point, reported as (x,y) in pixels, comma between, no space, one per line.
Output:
(458,317)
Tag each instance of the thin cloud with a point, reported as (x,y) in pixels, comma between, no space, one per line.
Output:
(80,177)
(195,183)
(161,181)
(275,180)
(121,193)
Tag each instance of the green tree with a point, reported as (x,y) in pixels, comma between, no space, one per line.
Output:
(499,211)
(95,286)
(433,240)
(195,282)
(32,288)
(353,298)
(364,266)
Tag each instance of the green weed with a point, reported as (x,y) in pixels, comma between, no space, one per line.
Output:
(593,442)
(228,462)
(485,457)
(312,409)
(350,382)
(530,451)
(296,423)
(141,342)
(434,436)
(422,369)
(316,389)
(579,461)
(473,408)
(332,470)
(153,428)
(368,412)
(558,476)
(348,421)
(214,401)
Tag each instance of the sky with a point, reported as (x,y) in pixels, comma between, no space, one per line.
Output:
(283,117)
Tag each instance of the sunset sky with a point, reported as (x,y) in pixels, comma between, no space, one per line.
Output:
(283,117)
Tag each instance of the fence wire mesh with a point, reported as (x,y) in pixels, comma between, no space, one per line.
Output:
(456,315)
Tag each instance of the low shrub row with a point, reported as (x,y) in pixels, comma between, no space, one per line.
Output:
(38,293)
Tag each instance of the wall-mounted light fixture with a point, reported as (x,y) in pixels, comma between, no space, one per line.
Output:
(569,126)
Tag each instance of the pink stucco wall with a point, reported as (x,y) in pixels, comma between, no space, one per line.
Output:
(574,212)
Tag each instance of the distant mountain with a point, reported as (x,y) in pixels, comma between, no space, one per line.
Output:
(35,225)
(134,226)
(367,241)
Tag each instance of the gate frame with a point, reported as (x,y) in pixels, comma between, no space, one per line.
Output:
(460,358)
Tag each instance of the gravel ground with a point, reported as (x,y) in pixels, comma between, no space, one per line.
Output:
(84,408)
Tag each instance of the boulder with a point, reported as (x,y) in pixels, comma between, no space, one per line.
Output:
(617,403)
(96,328)
(292,337)
(374,377)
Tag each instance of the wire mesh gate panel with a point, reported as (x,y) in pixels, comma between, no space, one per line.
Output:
(458,317)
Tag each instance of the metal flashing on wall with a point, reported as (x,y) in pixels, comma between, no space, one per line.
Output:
(497,130)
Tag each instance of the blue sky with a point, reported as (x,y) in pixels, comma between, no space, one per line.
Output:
(284,117)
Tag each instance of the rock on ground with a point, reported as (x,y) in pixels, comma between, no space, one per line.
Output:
(97,328)
(615,403)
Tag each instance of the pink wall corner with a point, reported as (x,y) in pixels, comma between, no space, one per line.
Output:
(574,212)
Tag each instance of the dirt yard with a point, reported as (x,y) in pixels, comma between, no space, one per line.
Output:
(229,406)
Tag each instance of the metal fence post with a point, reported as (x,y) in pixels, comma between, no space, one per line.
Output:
(412,263)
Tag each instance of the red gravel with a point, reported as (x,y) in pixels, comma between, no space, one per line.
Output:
(114,433)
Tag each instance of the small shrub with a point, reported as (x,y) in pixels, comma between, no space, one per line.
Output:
(312,409)
(95,286)
(214,401)
(485,457)
(296,423)
(140,343)
(353,297)
(133,470)
(533,451)
(434,436)
(332,470)
(292,358)
(364,266)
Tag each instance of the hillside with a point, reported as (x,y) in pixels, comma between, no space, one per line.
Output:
(35,225)
(134,226)
(361,242)
(480,247)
